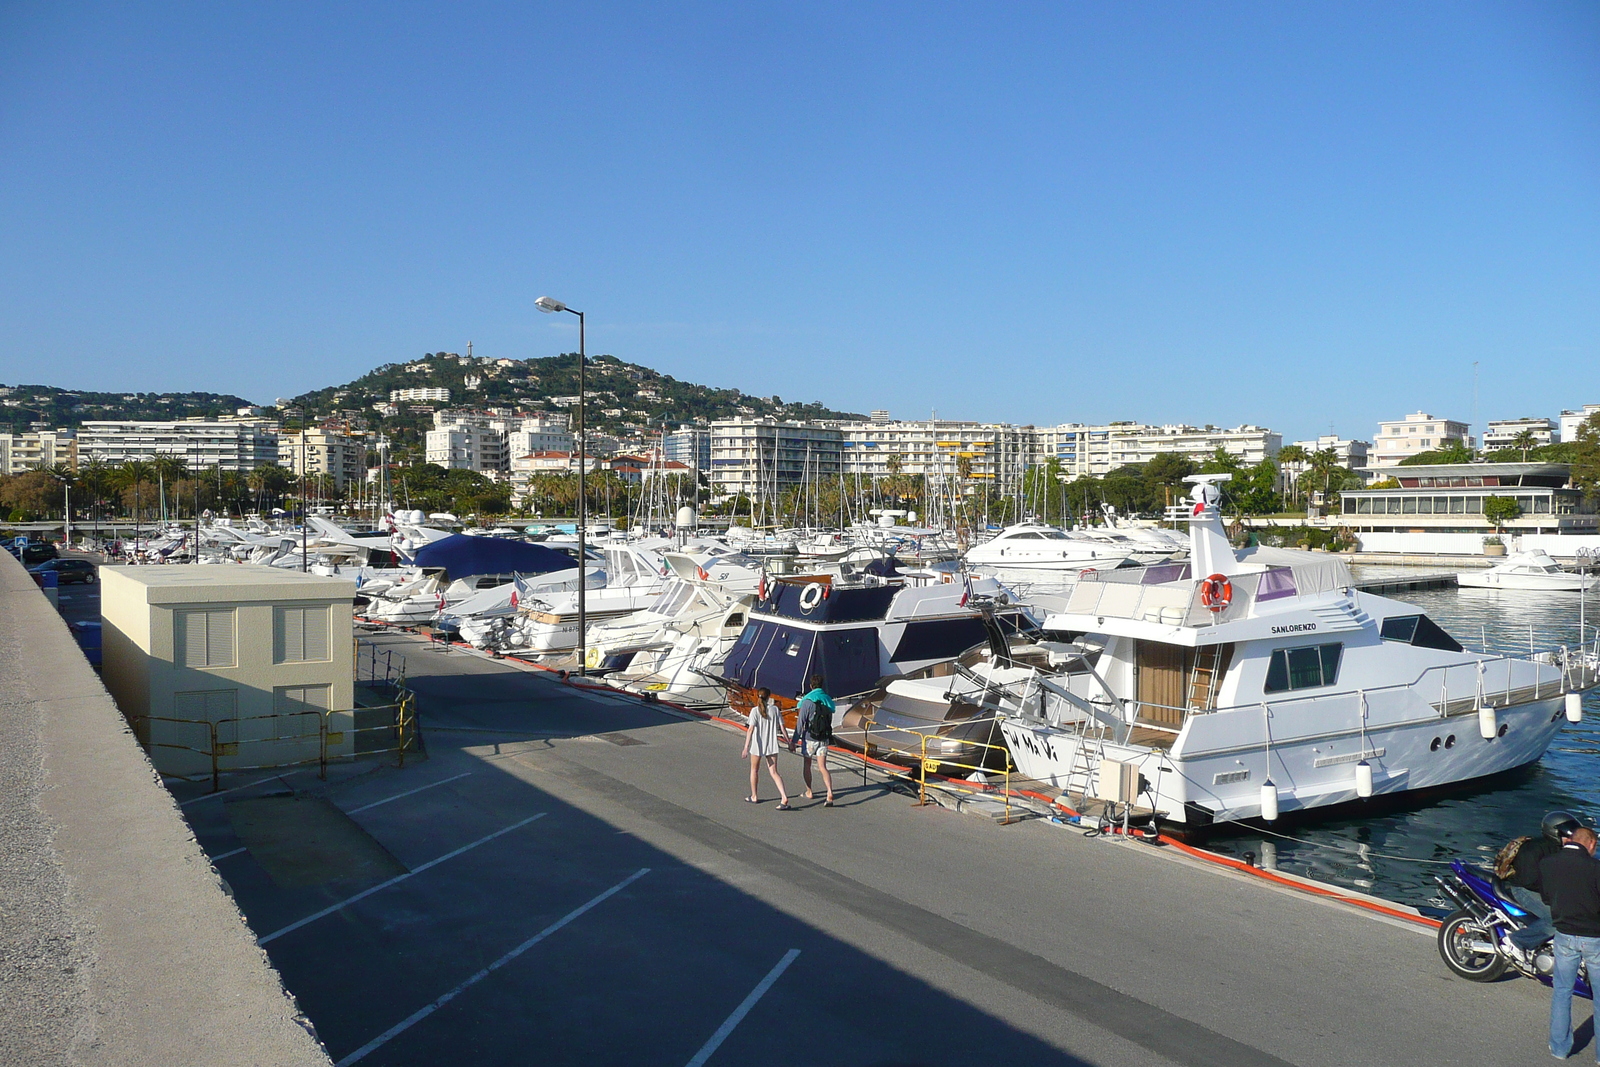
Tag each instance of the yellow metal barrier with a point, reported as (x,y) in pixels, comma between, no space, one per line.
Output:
(327,732)
(924,764)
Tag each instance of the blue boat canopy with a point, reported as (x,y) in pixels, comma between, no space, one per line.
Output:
(463,556)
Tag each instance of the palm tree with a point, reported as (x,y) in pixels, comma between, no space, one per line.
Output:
(1296,456)
(1526,441)
(1323,462)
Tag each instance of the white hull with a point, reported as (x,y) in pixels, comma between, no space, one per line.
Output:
(1555,583)
(1403,758)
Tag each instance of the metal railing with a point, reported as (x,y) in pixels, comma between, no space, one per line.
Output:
(328,733)
(922,763)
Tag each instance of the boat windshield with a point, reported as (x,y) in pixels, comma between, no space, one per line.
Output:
(673,599)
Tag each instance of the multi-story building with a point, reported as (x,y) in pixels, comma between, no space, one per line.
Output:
(1350,454)
(1417,433)
(1449,499)
(233,444)
(397,396)
(37,448)
(937,448)
(473,448)
(341,456)
(1503,433)
(689,445)
(1099,450)
(524,442)
(1573,420)
(760,455)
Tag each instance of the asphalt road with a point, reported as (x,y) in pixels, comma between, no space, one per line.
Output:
(582,883)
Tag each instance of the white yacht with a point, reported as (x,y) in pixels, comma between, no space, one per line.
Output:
(1035,546)
(1527,570)
(1262,683)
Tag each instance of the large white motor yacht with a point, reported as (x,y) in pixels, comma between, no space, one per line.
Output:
(1527,570)
(1037,547)
(1263,682)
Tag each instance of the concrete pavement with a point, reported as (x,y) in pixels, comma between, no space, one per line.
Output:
(923,936)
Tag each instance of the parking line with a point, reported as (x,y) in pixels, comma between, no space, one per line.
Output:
(422,1013)
(393,881)
(742,1010)
(409,792)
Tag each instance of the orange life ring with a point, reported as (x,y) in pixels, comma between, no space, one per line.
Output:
(1216,592)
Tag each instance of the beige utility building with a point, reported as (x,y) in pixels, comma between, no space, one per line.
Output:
(248,660)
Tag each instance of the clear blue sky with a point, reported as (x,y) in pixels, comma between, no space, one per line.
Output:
(1297,214)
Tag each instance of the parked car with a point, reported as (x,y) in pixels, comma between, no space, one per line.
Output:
(67,570)
(37,552)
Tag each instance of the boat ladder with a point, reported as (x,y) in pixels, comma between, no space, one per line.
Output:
(1203,679)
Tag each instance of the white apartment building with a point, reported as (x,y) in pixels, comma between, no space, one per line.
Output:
(689,445)
(1098,450)
(1572,420)
(473,448)
(1503,433)
(937,448)
(38,448)
(1416,433)
(1352,455)
(233,445)
(762,454)
(342,456)
(397,396)
(525,442)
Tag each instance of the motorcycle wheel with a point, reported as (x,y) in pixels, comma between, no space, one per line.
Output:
(1456,939)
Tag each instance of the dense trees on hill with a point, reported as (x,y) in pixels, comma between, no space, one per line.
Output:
(66,408)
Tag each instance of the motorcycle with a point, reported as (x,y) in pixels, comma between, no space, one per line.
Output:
(1475,939)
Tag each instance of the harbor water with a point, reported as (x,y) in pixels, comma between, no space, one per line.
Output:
(1395,854)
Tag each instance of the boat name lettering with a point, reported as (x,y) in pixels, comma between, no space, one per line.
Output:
(1295,628)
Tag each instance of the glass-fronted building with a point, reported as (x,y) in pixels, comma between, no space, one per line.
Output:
(1450,498)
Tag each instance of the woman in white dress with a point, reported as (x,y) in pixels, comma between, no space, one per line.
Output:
(761,743)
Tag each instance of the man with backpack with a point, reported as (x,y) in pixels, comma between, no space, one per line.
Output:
(813,729)
(1517,865)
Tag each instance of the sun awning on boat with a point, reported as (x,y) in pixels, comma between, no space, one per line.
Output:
(463,556)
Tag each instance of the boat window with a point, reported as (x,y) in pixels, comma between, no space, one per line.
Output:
(1418,630)
(736,619)
(1054,535)
(1277,582)
(1307,667)
(1027,536)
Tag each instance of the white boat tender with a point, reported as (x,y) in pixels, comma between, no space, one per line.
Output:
(1527,570)
(1264,682)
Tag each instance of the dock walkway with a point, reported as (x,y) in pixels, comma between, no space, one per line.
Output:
(585,884)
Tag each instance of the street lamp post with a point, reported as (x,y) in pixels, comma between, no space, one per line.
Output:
(552,306)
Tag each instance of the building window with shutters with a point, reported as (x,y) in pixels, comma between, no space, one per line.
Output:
(300,635)
(204,637)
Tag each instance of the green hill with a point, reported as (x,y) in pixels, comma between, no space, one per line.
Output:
(623,398)
(23,405)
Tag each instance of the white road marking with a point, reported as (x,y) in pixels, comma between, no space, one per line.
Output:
(409,792)
(742,1010)
(396,880)
(422,1013)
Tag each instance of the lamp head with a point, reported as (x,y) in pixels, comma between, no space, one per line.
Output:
(549,304)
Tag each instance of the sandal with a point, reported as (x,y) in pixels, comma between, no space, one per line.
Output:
(785,806)
(809,795)
(751,800)
(828,803)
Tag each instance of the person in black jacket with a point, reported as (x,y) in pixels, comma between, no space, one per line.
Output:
(1517,866)
(1571,881)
